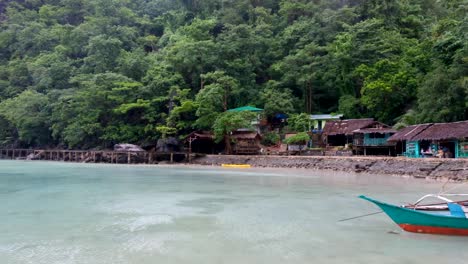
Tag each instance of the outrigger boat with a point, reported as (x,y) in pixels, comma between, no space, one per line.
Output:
(446,218)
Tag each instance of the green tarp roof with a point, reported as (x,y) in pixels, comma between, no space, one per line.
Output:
(246,108)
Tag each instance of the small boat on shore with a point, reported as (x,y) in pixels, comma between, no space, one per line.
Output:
(445,218)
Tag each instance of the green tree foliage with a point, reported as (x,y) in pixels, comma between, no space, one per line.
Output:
(94,73)
(387,86)
(228,122)
(214,97)
(27,113)
(270,139)
(276,100)
(299,139)
(299,122)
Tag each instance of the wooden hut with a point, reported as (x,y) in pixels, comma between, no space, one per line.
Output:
(405,138)
(202,142)
(449,140)
(246,142)
(340,132)
(372,139)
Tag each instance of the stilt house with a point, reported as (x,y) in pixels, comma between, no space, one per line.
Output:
(246,142)
(341,132)
(372,139)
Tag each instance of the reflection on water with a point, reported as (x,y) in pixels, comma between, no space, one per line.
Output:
(79,213)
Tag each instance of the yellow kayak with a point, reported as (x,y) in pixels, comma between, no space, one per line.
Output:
(235,165)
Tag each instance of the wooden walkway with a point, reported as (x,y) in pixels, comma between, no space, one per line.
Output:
(93,156)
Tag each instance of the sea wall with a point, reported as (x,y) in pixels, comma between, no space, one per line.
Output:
(456,169)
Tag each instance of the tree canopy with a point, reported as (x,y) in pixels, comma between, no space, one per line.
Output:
(92,73)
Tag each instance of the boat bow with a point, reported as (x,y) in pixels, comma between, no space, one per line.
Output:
(413,220)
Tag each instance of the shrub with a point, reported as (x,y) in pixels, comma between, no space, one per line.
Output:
(298,139)
(270,139)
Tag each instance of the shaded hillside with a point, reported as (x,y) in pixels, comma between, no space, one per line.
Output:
(86,73)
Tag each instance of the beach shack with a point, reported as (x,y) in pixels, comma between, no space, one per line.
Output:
(442,140)
(406,145)
(448,140)
(372,139)
(246,142)
(341,132)
(202,142)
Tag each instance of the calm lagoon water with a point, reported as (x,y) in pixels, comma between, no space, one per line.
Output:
(80,213)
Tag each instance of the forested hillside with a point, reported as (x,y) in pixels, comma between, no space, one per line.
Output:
(88,73)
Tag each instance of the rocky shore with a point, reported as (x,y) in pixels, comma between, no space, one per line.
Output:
(456,169)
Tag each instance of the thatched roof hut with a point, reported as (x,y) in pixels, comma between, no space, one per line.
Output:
(444,131)
(246,142)
(205,135)
(408,133)
(431,131)
(246,136)
(203,142)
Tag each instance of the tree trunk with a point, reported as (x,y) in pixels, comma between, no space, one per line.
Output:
(225,99)
(227,142)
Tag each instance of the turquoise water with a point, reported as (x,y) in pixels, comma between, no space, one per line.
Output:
(79,213)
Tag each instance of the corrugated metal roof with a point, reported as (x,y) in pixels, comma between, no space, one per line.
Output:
(325,117)
(346,127)
(245,108)
(375,130)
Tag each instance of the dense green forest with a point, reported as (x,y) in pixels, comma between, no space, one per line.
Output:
(89,73)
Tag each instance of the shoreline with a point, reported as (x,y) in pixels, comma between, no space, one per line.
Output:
(455,170)
(435,169)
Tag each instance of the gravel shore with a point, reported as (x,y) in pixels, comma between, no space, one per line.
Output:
(456,169)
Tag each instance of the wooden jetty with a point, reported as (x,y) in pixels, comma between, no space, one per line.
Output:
(93,156)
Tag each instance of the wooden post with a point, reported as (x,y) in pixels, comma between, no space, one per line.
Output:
(172,157)
(128,157)
(189,158)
